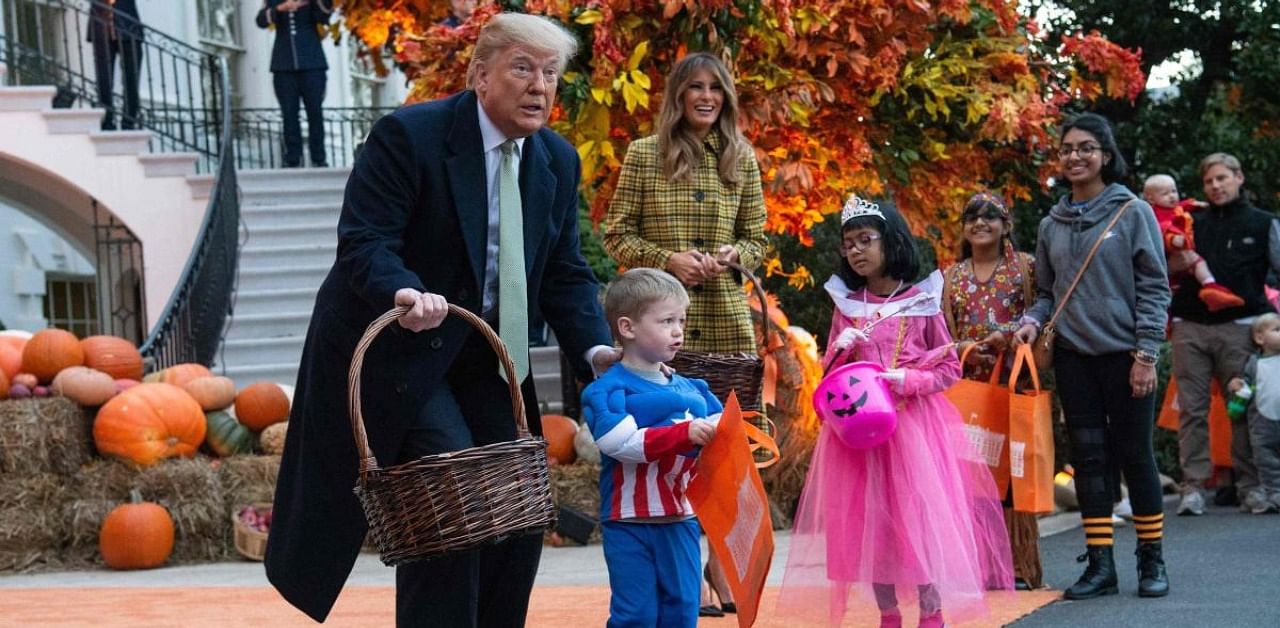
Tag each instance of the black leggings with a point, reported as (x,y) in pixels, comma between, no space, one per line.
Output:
(1109,431)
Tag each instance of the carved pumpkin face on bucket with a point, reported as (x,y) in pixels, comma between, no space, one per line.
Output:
(857,405)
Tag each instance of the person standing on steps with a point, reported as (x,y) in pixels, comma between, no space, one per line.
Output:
(298,72)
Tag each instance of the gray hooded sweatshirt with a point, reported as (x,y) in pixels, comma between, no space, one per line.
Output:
(1122,301)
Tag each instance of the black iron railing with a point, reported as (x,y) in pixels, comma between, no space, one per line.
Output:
(259,135)
(179,88)
(121,286)
(184,100)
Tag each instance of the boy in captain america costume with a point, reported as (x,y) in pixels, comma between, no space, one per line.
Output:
(649,426)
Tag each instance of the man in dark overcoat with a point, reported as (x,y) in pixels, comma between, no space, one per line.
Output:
(420,226)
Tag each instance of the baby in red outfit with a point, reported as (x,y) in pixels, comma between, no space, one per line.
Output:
(1175,220)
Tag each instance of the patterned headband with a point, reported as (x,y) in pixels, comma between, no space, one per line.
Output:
(982,200)
(857,207)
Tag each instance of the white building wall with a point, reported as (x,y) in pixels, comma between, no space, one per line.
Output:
(28,251)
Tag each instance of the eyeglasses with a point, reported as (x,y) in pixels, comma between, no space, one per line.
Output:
(859,244)
(990,216)
(1085,151)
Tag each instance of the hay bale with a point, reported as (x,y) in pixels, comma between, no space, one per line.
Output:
(577,486)
(31,531)
(248,479)
(39,436)
(187,488)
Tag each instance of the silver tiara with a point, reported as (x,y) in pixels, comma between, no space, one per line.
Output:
(856,207)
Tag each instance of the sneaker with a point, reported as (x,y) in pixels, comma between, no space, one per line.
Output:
(1255,502)
(1123,510)
(1192,503)
(1226,495)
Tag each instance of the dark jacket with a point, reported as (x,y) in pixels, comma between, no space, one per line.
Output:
(114,22)
(1236,241)
(1122,300)
(415,215)
(297,46)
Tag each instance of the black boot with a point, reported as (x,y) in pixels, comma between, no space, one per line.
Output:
(1152,579)
(1099,578)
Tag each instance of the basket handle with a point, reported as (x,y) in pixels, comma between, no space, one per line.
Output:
(759,290)
(367,461)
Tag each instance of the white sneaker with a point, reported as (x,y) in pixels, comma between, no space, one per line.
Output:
(1192,503)
(1123,510)
(1256,502)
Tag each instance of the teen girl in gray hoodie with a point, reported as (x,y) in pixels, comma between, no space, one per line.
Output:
(1109,334)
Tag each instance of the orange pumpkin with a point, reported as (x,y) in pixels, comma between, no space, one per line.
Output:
(148,423)
(138,535)
(85,386)
(114,356)
(4,386)
(559,431)
(262,404)
(50,351)
(179,374)
(212,393)
(11,355)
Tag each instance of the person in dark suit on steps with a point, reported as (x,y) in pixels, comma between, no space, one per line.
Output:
(468,200)
(298,71)
(116,31)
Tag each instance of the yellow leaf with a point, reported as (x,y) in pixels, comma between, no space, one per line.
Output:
(637,56)
(640,78)
(590,16)
(600,94)
(629,96)
(584,149)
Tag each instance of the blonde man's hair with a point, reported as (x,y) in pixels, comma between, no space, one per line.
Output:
(520,29)
(679,149)
(1263,320)
(1222,159)
(634,291)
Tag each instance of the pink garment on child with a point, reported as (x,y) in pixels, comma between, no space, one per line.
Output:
(918,510)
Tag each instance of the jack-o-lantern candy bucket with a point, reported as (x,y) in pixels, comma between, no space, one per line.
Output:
(857,405)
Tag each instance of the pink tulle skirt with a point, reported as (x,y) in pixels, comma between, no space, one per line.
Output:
(915,512)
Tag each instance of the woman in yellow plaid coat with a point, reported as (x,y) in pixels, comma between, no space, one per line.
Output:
(689,196)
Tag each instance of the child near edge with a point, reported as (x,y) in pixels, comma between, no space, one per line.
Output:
(1261,378)
(917,517)
(649,426)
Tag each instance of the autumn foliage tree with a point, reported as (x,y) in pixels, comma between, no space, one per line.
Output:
(927,100)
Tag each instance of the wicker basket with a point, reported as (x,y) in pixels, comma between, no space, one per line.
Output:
(453,501)
(251,544)
(742,372)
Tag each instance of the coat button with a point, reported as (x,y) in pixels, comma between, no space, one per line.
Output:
(698,241)
(462,295)
(695,334)
(697,288)
(400,388)
(436,343)
(699,196)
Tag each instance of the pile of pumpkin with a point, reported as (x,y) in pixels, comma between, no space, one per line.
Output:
(168,413)
(143,420)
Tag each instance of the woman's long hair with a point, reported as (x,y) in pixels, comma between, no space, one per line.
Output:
(679,149)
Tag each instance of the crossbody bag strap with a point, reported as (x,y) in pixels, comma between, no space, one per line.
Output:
(1096,245)
(946,300)
(1028,286)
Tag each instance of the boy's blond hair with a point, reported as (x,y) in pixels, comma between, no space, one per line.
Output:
(1262,321)
(1158,181)
(632,292)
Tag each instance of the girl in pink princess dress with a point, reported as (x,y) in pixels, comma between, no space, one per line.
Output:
(917,517)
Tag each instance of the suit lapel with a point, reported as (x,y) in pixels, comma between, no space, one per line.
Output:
(468,181)
(537,190)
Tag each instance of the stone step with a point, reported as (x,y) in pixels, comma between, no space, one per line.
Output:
(283,277)
(73,121)
(290,178)
(37,98)
(281,373)
(265,235)
(201,185)
(168,164)
(279,324)
(240,352)
(253,302)
(290,214)
(256,256)
(120,142)
(330,193)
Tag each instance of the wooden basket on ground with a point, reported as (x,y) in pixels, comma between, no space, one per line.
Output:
(742,372)
(251,543)
(453,501)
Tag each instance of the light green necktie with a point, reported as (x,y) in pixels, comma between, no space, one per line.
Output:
(513,299)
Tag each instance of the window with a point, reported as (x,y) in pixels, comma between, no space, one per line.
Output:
(71,303)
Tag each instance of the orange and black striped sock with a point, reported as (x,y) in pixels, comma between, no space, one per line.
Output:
(1150,527)
(1098,531)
